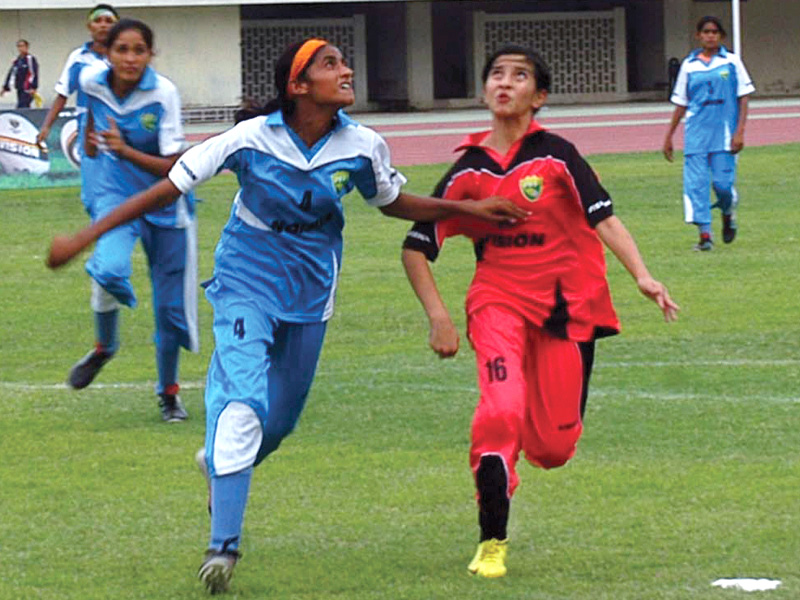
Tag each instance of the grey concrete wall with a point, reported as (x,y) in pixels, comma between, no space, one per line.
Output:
(197,50)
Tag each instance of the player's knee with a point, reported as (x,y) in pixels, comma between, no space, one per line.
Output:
(723,186)
(170,321)
(237,439)
(497,424)
(557,449)
(274,433)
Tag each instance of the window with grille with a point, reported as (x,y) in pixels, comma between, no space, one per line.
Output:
(263,41)
(585,50)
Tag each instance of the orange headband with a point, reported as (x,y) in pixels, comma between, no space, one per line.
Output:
(304,55)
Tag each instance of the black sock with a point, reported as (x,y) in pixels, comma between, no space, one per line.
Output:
(492,497)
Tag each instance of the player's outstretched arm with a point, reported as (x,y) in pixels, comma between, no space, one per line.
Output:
(619,240)
(423,208)
(64,248)
(443,336)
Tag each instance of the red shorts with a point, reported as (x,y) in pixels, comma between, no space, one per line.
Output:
(532,386)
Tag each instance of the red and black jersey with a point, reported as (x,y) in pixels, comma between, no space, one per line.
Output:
(550,267)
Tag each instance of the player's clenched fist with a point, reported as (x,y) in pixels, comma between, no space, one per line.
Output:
(62,250)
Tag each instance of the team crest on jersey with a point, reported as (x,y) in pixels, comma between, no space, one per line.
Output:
(149,122)
(531,187)
(340,179)
(724,74)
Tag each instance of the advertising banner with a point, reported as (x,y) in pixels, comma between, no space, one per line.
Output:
(24,164)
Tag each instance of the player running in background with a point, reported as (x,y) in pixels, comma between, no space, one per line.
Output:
(99,22)
(712,90)
(539,297)
(134,136)
(277,264)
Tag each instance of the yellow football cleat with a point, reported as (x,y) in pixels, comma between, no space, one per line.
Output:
(490,559)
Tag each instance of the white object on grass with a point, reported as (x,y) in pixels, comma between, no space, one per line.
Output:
(747,584)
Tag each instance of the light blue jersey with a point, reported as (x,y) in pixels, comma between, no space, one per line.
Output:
(149,119)
(67,84)
(710,92)
(283,243)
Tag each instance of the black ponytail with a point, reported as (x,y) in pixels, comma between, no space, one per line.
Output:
(282,101)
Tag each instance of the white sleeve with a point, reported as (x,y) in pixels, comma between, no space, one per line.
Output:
(87,79)
(388,180)
(65,87)
(679,92)
(745,84)
(201,162)
(170,134)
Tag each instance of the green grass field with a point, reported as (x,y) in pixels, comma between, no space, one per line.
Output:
(687,471)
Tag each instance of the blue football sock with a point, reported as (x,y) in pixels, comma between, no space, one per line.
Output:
(105,327)
(167,364)
(705,228)
(228,501)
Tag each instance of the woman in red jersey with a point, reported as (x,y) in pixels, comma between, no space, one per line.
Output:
(539,297)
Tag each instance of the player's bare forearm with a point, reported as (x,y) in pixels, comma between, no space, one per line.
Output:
(677,115)
(423,208)
(157,165)
(57,107)
(737,142)
(443,336)
(64,248)
(618,239)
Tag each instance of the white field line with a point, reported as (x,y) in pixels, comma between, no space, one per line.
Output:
(194,385)
(594,392)
(584,125)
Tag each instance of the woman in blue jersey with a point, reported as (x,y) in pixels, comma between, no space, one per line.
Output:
(134,136)
(277,264)
(712,90)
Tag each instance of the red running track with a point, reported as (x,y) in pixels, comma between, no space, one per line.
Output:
(592,135)
(641,129)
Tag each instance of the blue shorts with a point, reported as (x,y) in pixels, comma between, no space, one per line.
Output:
(263,362)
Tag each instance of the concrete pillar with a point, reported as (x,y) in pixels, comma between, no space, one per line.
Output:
(419,50)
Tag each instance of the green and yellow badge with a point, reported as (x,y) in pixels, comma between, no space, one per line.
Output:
(531,187)
(340,179)
(149,122)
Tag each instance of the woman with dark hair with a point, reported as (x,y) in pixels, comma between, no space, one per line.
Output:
(99,21)
(277,264)
(712,90)
(133,137)
(539,298)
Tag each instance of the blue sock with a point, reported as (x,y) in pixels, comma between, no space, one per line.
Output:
(228,501)
(705,228)
(105,327)
(167,364)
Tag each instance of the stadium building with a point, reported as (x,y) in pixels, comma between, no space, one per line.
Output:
(417,54)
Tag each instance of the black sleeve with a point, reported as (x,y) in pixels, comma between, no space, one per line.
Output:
(422,238)
(6,87)
(422,235)
(596,202)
